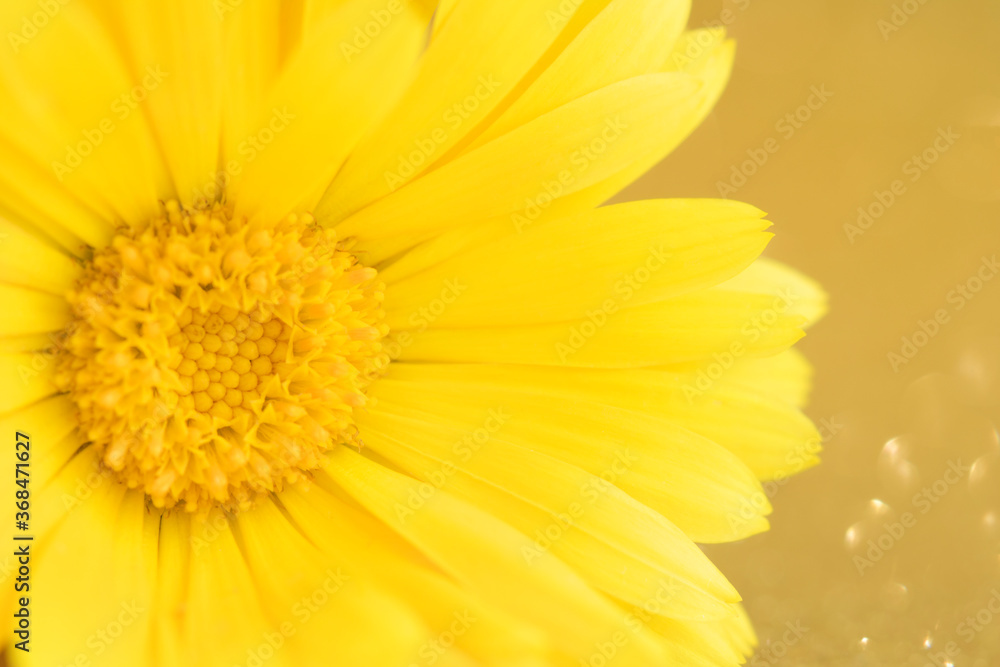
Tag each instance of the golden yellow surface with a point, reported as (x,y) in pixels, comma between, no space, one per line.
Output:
(901,432)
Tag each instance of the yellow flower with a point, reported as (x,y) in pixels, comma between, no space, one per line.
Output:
(317,349)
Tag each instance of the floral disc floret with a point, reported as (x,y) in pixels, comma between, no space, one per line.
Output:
(212,358)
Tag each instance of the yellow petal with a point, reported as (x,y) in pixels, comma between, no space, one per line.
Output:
(41,207)
(175,48)
(25,378)
(428,7)
(727,641)
(44,429)
(222,621)
(48,423)
(269,543)
(628,38)
(585,142)
(31,262)
(444,10)
(765,276)
(323,609)
(27,311)
(345,532)
(315,12)
(307,127)
(486,554)
(693,482)
(786,376)
(481,53)
(582,518)
(559,271)
(170,602)
(343,632)
(774,439)
(119,561)
(688,328)
(29,343)
(252,40)
(85,134)
(711,65)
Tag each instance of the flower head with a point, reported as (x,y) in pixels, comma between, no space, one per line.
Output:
(321,348)
(211,360)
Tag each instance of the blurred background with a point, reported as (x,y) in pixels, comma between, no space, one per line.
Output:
(869,130)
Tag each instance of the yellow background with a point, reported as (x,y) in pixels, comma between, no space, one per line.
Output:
(891,92)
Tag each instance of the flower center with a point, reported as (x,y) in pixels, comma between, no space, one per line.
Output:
(212,359)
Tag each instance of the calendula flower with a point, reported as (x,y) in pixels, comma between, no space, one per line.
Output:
(318,349)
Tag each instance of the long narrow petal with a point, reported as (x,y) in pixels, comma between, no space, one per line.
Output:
(692,481)
(322,104)
(628,38)
(323,610)
(583,518)
(586,142)
(559,271)
(179,46)
(252,41)
(487,554)
(25,377)
(31,262)
(684,329)
(481,54)
(119,562)
(343,531)
(28,311)
(88,132)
